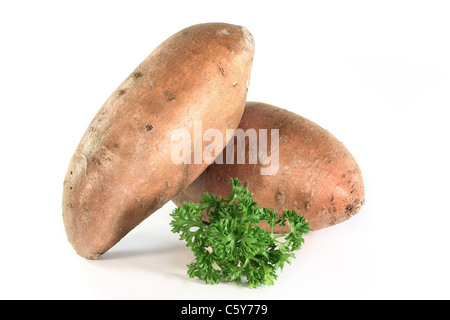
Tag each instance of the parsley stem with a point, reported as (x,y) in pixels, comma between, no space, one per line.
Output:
(281,235)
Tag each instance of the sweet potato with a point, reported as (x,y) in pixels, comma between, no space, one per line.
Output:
(317,176)
(122,171)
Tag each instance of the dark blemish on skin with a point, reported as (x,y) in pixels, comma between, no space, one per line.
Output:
(169,96)
(149,127)
(307,205)
(121,92)
(141,204)
(331,210)
(222,70)
(280,197)
(332,198)
(95,161)
(349,208)
(71,173)
(71,188)
(137,75)
(116,145)
(186,171)
(281,122)
(161,198)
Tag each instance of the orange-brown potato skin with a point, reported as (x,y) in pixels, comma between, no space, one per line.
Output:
(317,176)
(122,171)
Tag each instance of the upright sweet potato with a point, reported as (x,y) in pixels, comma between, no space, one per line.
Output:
(317,176)
(122,171)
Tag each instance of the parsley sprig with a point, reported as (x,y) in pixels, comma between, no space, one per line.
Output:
(232,247)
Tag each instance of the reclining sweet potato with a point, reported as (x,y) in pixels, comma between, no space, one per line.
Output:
(316,174)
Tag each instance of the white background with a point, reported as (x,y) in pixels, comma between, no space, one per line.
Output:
(374,73)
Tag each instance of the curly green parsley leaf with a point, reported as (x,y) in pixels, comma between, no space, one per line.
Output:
(232,247)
